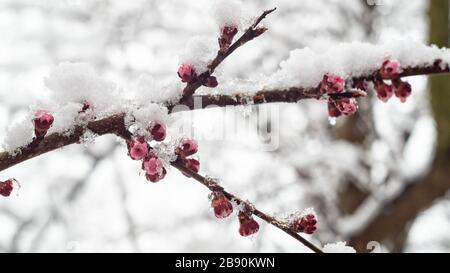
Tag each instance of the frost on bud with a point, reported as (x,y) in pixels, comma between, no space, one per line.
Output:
(390,69)
(42,122)
(154,169)
(384,91)
(333,111)
(333,84)
(211,82)
(221,205)
(193,165)
(306,224)
(187,73)
(347,106)
(402,90)
(7,187)
(226,37)
(187,147)
(158,130)
(248,225)
(138,148)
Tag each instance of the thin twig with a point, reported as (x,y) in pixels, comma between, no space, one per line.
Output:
(213,186)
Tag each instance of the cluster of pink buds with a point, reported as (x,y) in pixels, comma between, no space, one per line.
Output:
(248,225)
(335,84)
(227,34)
(305,223)
(42,122)
(140,149)
(221,205)
(185,150)
(6,187)
(391,69)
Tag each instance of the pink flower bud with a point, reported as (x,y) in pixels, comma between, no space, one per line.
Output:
(138,148)
(211,82)
(248,226)
(153,165)
(221,205)
(156,177)
(42,122)
(333,111)
(193,165)
(347,106)
(187,147)
(226,37)
(333,84)
(402,90)
(305,224)
(187,73)
(158,130)
(6,187)
(154,169)
(390,69)
(384,91)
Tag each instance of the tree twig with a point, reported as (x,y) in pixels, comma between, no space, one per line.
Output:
(213,186)
(252,32)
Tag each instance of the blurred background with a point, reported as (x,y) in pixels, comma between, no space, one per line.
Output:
(380,176)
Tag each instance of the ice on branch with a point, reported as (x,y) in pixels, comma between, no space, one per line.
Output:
(339,247)
(306,67)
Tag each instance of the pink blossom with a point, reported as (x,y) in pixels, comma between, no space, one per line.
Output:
(248,225)
(390,69)
(153,165)
(347,106)
(6,187)
(158,130)
(306,224)
(402,90)
(187,147)
(187,73)
(221,205)
(384,91)
(42,122)
(138,148)
(157,176)
(333,84)
(333,111)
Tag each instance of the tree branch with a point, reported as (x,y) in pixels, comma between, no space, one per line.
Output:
(213,186)
(251,33)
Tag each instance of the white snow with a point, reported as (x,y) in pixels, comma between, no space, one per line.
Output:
(227,12)
(305,67)
(339,247)
(199,52)
(79,82)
